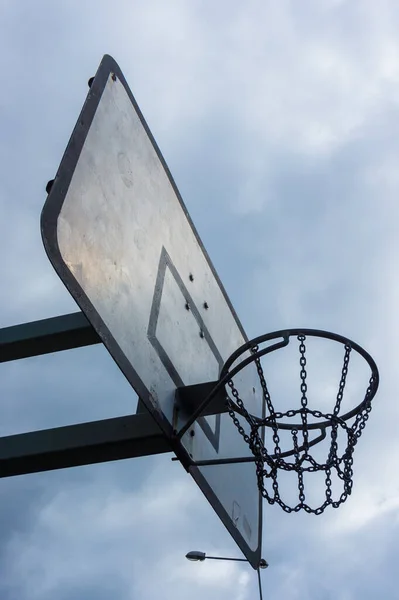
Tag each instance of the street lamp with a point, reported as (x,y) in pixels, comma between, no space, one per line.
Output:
(196,555)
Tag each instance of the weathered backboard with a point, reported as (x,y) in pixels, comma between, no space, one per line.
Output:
(118,234)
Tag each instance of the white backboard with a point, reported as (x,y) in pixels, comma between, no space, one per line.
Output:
(118,234)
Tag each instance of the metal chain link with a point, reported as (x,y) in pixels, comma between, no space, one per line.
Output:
(269,461)
(304,389)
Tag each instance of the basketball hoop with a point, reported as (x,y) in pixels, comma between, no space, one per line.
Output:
(301,422)
(267,455)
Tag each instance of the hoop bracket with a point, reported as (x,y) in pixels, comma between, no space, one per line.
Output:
(189,398)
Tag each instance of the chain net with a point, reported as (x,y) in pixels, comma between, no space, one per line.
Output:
(269,460)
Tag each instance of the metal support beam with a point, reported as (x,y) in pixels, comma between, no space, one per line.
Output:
(190,397)
(86,443)
(45,336)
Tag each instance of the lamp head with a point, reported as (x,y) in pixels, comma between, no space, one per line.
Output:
(196,555)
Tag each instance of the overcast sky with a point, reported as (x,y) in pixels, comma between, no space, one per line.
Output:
(279,121)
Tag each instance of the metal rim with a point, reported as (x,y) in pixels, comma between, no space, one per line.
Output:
(226,375)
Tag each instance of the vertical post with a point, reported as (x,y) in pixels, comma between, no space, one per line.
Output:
(260,584)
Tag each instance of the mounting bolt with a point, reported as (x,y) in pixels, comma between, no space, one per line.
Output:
(187,306)
(49,185)
(202,334)
(89,83)
(206,305)
(191,277)
(113,77)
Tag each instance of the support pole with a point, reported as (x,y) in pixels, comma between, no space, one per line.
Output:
(45,336)
(87,443)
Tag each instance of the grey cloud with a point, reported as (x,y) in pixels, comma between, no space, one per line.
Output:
(279,125)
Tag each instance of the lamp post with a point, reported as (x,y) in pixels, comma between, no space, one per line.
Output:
(197,556)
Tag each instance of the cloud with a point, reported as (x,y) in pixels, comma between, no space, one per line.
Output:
(278,121)
(93,532)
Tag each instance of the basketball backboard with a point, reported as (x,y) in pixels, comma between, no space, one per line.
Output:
(118,234)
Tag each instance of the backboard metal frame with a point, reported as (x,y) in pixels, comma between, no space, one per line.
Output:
(109,68)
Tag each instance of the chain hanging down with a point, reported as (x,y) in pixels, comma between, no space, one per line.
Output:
(270,459)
